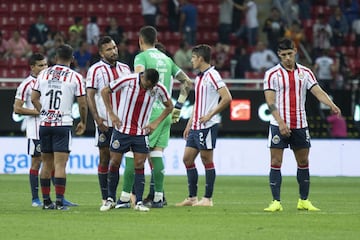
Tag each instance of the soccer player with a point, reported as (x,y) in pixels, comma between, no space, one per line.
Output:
(37,63)
(151,57)
(53,96)
(138,93)
(201,130)
(285,88)
(100,75)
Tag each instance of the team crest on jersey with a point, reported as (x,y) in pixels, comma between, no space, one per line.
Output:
(301,75)
(102,137)
(152,93)
(38,147)
(276,139)
(115,144)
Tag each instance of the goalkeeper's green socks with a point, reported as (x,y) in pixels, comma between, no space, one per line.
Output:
(158,174)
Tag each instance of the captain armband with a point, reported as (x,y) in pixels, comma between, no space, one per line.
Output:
(272,108)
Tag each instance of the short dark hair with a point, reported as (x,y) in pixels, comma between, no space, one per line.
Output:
(285,44)
(65,52)
(148,34)
(152,75)
(203,50)
(35,57)
(104,40)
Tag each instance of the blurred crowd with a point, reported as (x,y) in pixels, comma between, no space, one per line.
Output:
(326,33)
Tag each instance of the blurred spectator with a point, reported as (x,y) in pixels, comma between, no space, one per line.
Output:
(322,34)
(58,41)
(291,8)
(242,59)
(115,31)
(342,71)
(304,9)
(339,27)
(225,21)
(221,57)
(356,30)
(262,58)
(162,48)
(274,27)
(82,58)
(92,31)
(18,46)
(50,42)
(350,9)
(150,11)
(182,56)
(74,39)
(324,69)
(38,32)
(124,55)
(295,33)
(251,22)
(337,126)
(3,47)
(173,15)
(188,21)
(78,27)
(237,16)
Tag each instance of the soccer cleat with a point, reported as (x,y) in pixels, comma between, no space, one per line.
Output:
(36,203)
(159,204)
(190,201)
(49,205)
(121,204)
(109,204)
(274,206)
(68,203)
(148,201)
(306,205)
(60,206)
(204,202)
(140,207)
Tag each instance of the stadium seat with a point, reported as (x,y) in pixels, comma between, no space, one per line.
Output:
(253,75)
(99,10)
(19,9)
(38,8)
(77,10)
(58,10)
(4,10)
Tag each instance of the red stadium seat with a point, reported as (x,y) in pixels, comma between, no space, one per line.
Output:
(4,10)
(58,10)
(19,9)
(38,8)
(253,75)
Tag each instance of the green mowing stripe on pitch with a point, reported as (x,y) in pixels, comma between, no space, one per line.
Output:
(237,212)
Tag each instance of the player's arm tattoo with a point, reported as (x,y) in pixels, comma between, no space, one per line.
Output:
(272,107)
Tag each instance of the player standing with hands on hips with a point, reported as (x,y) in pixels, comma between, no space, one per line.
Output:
(285,88)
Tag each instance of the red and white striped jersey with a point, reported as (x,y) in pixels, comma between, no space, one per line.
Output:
(207,97)
(23,93)
(136,103)
(100,75)
(291,88)
(58,86)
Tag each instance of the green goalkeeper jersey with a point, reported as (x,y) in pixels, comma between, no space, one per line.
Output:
(153,58)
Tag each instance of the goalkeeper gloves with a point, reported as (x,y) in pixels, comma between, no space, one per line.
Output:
(176,112)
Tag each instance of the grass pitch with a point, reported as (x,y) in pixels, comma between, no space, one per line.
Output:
(237,213)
